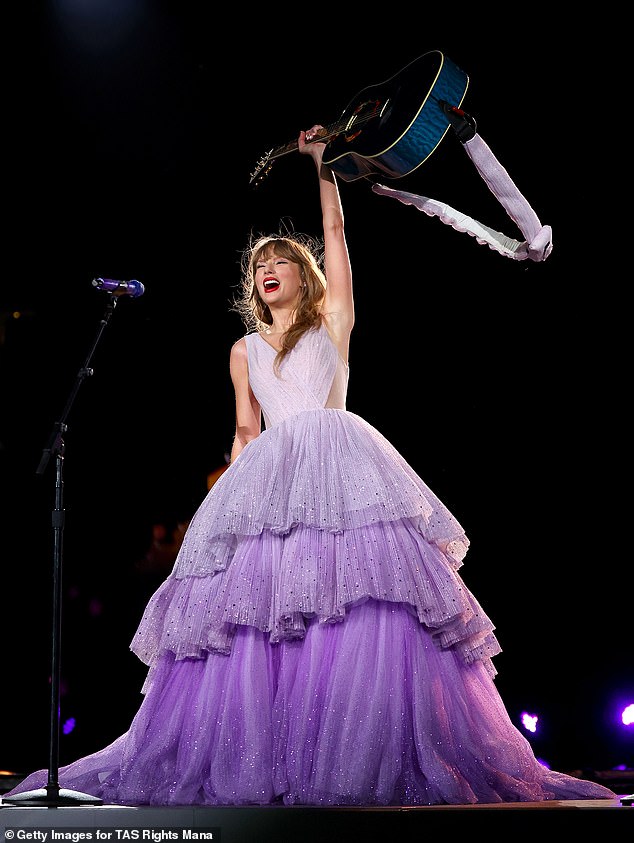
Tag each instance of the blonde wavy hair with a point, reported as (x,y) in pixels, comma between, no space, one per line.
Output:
(307,253)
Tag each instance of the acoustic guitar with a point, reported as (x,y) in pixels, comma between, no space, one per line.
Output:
(391,128)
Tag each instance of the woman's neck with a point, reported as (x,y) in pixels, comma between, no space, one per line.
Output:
(282,321)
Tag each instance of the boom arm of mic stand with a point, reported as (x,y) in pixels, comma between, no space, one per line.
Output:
(54,442)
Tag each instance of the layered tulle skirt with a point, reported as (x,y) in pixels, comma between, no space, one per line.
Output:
(316,645)
(318,514)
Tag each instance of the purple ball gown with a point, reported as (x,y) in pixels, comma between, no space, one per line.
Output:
(314,643)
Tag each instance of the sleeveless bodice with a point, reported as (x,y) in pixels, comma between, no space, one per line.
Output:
(313,376)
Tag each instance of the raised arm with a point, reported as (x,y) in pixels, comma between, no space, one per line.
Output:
(338,306)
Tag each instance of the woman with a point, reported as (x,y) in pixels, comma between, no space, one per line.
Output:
(314,643)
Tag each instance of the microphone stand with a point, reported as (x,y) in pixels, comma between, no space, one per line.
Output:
(52,796)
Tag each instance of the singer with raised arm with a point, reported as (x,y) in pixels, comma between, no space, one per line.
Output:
(315,643)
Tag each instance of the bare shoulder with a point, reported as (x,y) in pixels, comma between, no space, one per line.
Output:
(239,349)
(239,359)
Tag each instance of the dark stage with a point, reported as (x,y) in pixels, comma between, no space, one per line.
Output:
(131,130)
(315,825)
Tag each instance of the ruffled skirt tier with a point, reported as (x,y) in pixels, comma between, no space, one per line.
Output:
(317,514)
(365,712)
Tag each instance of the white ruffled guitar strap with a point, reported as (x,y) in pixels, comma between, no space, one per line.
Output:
(537,244)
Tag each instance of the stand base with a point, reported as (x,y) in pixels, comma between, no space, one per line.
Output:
(51,797)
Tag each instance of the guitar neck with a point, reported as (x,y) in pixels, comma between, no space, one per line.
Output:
(265,164)
(328,132)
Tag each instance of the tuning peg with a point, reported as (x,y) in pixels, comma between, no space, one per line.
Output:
(262,169)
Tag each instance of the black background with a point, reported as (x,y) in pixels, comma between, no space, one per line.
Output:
(130,133)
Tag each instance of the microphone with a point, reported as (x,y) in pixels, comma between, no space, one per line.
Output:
(119,288)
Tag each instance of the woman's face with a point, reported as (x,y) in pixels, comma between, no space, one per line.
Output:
(278,280)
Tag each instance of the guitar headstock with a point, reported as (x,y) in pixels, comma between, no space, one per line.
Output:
(262,168)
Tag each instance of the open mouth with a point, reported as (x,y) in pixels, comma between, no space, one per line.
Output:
(271,284)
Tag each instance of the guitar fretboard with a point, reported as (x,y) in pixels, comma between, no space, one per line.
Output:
(360,116)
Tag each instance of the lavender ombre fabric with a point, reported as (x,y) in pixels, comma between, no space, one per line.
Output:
(365,712)
(314,643)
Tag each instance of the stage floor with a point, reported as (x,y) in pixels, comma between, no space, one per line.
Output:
(306,824)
